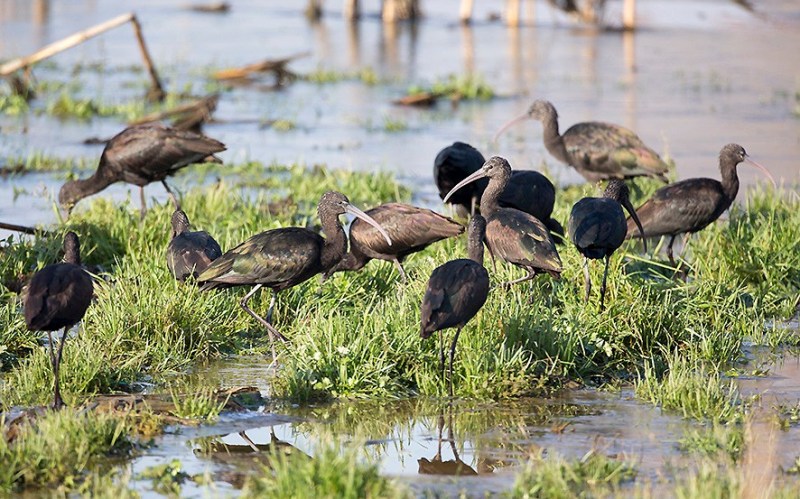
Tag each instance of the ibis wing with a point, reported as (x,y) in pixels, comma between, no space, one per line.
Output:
(611,150)
(271,257)
(522,239)
(685,206)
(58,296)
(456,291)
(597,222)
(409,227)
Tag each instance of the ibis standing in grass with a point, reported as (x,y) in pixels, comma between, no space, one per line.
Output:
(456,292)
(282,258)
(189,253)
(58,296)
(597,150)
(512,235)
(140,155)
(411,229)
(597,227)
(690,205)
(527,190)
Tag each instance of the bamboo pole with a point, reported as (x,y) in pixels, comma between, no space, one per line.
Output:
(156,91)
(62,45)
(352,10)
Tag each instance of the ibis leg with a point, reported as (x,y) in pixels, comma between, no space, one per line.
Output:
(474,204)
(143,208)
(669,251)
(273,333)
(531,275)
(587,279)
(171,195)
(272,306)
(400,269)
(603,286)
(57,402)
(441,352)
(452,355)
(51,349)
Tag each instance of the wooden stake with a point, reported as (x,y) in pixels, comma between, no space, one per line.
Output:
(465,12)
(352,10)
(156,92)
(512,16)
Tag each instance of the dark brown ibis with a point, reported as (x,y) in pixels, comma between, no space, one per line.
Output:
(456,292)
(527,190)
(281,258)
(58,296)
(690,205)
(189,253)
(411,229)
(140,155)
(597,227)
(597,150)
(512,235)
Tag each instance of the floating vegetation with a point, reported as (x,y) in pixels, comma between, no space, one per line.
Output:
(456,87)
(366,75)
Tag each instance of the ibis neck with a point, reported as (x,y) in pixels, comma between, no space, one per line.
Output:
(335,245)
(475,248)
(553,141)
(730,180)
(82,188)
(489,199)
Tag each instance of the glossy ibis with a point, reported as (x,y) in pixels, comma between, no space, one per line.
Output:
(517,237)
(597,227)
(456,291)
(139,155)
(58,296)
(282,258)
(527,191)
(688,206)
(599,151)
(189,253)
(411,229)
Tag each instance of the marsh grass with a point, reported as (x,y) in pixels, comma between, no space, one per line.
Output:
(333,472)
(457,87)
(57,448)
(356,335)
(202,404)
(593,475)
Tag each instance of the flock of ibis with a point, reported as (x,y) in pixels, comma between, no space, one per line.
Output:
(510,214)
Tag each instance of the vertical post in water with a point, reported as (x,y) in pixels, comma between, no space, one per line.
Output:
(629,15)
(512,16)
(352,10)
(156,92)
(465,11)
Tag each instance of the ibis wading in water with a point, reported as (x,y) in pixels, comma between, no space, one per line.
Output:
(189,253)
(597,227)
(690,205)
(411,229)
(599,151)
(527,190)
(58,296)
(456,292)
(281,258)
(139,155)
(512,235)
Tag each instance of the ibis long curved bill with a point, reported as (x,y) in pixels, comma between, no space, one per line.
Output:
(349,208)
(508,125)
(763,169)
(629,207)
(475,176)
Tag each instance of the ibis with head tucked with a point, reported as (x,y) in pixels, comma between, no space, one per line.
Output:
(189,253)
(512,235)
(456,291)
(282,258)
(410,228)
(690,205)
(527,190)
(139,155)
(597,150)
(57,297)
(597,227)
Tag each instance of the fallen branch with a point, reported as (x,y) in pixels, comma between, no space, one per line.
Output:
(277,66)
(23,229)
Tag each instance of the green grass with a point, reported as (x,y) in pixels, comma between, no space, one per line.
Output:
(593,475)
(457,87)
(330,473)
(58,447)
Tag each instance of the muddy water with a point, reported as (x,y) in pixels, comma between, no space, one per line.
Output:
(696,76)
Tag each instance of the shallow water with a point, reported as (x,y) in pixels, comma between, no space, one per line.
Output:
(696,76)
